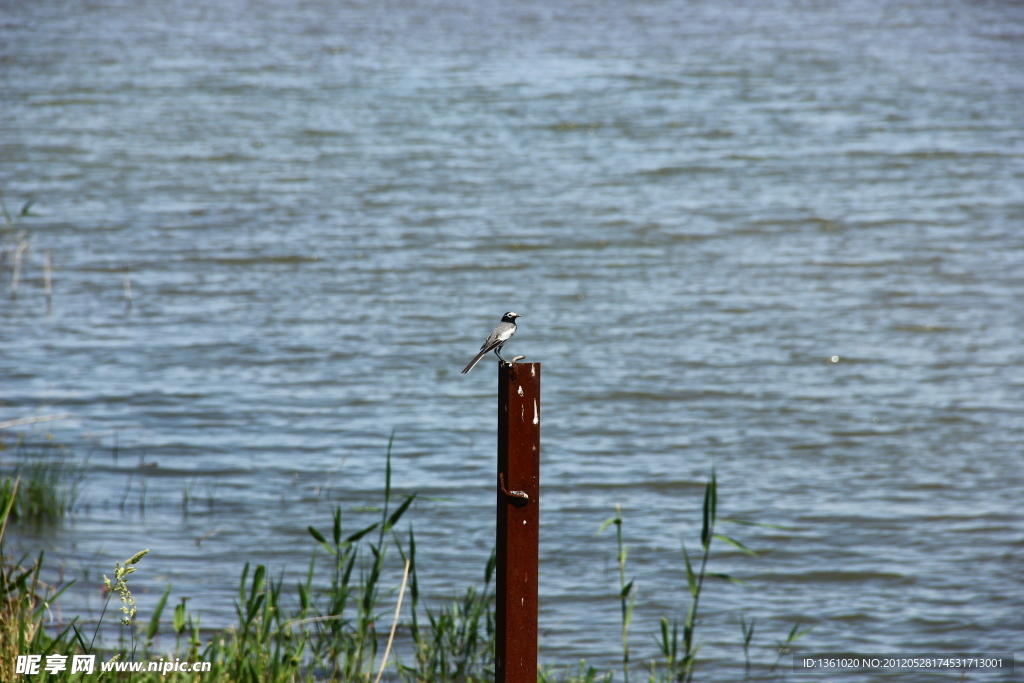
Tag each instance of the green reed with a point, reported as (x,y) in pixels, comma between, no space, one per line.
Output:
(681,654)
(50,482)
(627,591)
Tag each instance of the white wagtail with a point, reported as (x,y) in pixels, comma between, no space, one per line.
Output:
(501,334)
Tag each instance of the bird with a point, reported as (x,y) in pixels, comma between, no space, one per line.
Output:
(496,339)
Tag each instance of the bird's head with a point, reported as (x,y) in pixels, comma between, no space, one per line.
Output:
(510,317)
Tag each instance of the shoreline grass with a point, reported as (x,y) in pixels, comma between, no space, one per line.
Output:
(332,624)
(50,482)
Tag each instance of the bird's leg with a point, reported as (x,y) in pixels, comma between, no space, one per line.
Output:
(497,351)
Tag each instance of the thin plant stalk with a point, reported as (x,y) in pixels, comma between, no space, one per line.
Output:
(394,624)
(748,634)
(22,246)
(627,591)
(127,288)
(47,282)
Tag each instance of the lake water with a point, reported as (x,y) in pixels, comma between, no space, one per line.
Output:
(783,240)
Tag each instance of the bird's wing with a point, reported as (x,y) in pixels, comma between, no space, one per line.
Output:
(497,337)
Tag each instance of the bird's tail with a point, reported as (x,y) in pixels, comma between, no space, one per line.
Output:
(483,352)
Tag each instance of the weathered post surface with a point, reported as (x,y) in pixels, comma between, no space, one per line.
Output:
(518,530)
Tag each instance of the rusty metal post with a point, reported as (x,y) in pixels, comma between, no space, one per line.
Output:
(518,530)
